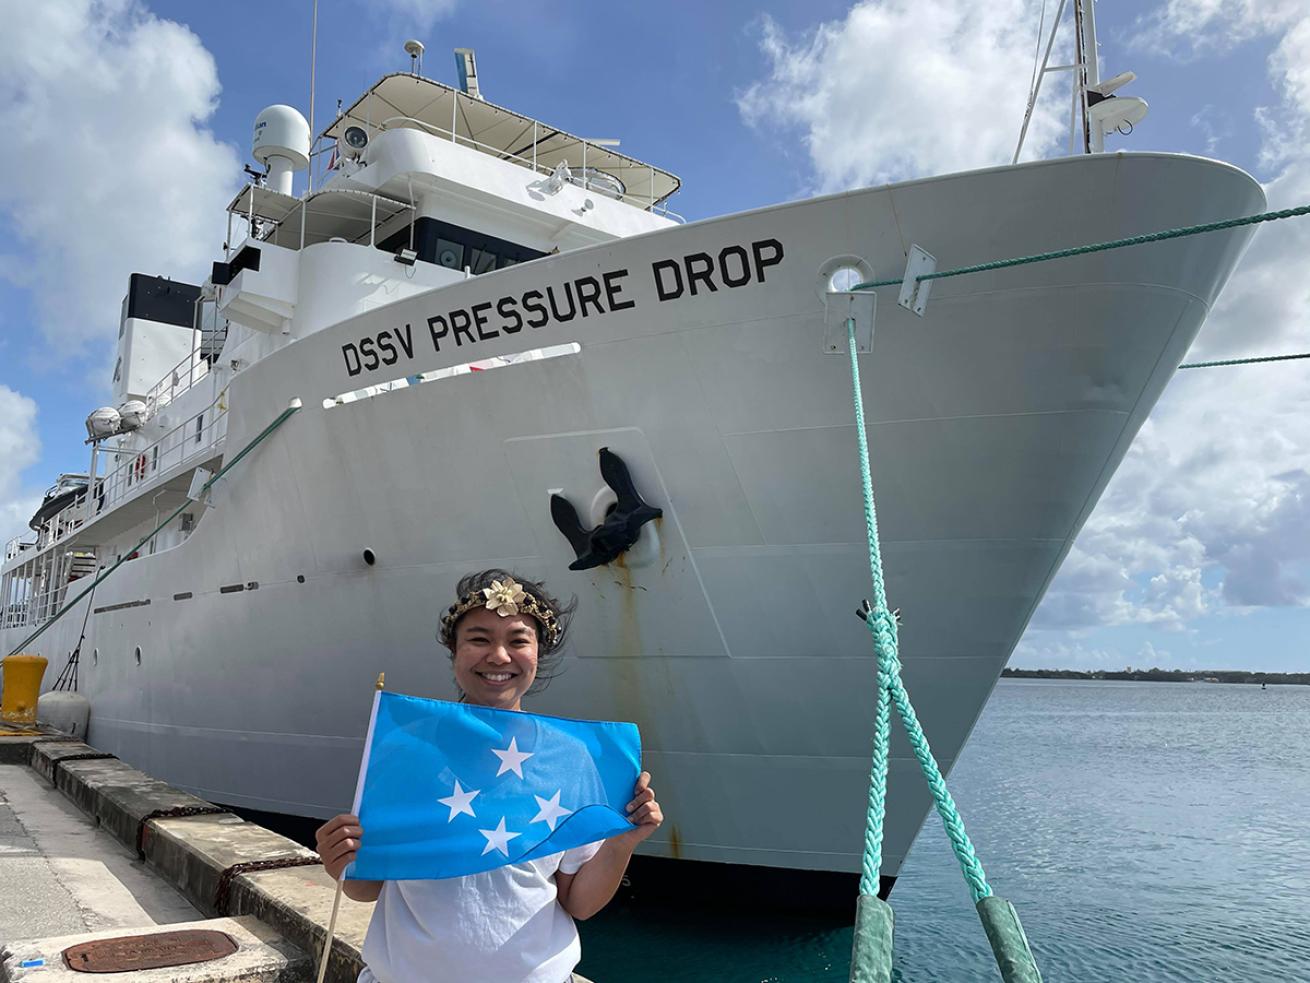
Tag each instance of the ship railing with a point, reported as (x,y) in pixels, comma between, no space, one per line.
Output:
(33,592)
(194,366)
(19,544)
(192,440)
(177,380)
(583,179)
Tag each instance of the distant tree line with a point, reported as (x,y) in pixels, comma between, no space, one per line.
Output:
(1157,675)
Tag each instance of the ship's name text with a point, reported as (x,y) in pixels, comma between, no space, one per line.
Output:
(693,275)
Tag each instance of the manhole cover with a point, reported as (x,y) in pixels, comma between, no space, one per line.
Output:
(133,952)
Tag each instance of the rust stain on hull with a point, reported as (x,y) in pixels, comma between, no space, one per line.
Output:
(675,842)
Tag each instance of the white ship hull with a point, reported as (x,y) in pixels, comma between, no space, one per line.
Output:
(729,633)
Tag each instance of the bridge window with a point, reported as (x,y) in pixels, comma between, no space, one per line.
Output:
(456,247)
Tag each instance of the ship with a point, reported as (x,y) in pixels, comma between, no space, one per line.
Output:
(482,338)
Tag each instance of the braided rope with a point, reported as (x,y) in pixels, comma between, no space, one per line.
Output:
(1243,361)
(882,627)
(970,865)
(884,645)
(1097,247)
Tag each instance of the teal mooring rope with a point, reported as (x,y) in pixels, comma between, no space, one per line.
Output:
(871,957)
(1097,247)
(1243,361)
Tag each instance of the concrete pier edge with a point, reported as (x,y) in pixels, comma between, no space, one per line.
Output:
(192,852)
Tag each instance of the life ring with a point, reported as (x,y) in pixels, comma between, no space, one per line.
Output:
(139,467)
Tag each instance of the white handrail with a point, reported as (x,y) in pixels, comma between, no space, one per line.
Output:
(177,380)
(185,442)
(196,435)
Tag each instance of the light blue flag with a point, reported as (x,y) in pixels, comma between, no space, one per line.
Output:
(447,789)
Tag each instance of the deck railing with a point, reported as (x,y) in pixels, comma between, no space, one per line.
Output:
(189,442)
(194,366)
(30,597)
(193,439)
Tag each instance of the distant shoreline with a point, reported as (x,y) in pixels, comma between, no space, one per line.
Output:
(1154,675)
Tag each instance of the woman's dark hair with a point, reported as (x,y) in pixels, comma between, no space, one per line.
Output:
(549,655)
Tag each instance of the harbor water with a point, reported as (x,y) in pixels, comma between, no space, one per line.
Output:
(1145,831)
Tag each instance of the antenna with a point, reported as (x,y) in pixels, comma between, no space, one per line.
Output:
(414,48)
(468,72)
(313,63)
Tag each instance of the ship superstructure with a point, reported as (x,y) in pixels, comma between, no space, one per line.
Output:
(470,305)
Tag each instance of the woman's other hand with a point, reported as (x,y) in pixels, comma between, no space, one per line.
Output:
(338,841)
(643,811)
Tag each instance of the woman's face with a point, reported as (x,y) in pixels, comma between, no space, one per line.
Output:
(495,658)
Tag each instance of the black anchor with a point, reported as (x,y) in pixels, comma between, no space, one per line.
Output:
(622,526)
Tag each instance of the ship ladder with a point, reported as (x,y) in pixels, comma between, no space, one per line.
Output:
(871,954)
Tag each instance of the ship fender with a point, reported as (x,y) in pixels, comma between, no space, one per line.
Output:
(68,713)
(619,529)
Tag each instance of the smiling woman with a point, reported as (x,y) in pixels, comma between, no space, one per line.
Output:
(515,922)
(504,636)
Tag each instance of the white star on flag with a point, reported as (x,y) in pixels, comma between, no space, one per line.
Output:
(498,838)
(511,758)
(460,801)
(551,811)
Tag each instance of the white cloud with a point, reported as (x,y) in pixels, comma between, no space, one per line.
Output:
(109,168)
(1215,124)
(1046,653)
(1189,28)
(418,15)
(394,21)
(1210,511)
(19,449)
(1216,488)
(906,88)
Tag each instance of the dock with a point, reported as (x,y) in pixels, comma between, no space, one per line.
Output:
(118,873)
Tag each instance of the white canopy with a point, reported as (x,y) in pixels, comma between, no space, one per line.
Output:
(404,99)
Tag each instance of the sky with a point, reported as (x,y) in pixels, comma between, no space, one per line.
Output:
(127,123)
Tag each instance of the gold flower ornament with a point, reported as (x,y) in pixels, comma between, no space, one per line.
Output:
(504,598)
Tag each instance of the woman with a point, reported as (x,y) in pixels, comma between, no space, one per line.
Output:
(513,924)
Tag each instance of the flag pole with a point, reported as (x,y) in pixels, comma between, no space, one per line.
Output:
(359,788)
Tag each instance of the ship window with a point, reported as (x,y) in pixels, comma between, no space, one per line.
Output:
(450,254)
(456,247)
(483,261)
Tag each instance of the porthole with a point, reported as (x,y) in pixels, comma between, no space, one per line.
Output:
(838,274)
(843,278)
(138,655)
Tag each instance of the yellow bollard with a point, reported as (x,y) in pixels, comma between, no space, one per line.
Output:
(22,686)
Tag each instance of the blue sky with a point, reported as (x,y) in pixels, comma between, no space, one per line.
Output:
(1199,555)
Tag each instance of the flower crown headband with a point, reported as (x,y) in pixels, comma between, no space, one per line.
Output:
(505,598)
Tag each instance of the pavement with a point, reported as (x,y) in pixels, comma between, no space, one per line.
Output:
(71,822)
(62,875)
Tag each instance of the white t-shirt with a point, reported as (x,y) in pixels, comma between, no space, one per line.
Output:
(502,926)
